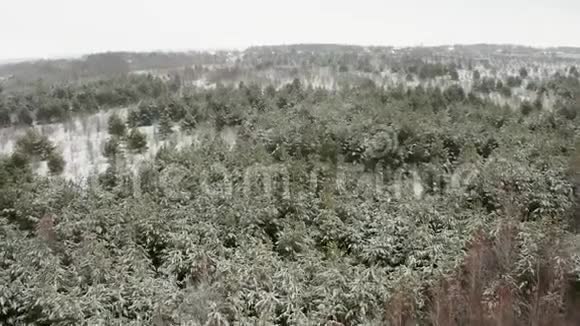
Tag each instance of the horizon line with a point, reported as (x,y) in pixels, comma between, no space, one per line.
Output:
(71,56)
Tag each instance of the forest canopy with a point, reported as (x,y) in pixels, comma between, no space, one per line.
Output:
(297,204)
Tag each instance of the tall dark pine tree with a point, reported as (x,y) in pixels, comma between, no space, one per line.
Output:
(165,125)
(56,163)
(116,126)
(4,117)
(136,141)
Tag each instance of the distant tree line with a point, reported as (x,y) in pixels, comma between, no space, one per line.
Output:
(57,103)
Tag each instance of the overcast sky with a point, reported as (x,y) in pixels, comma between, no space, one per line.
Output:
(47,28)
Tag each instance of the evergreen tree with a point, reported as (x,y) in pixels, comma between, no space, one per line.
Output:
(165,125)
(116,126)
(136,141)
(109,179)
(25,117)
(189,122)
(514,81)
(574,72)
(133,119)
(523,73)
(454,74)
(4,117)
(112,148)
(526,107)
(34,144)
(454,93)
(56,163)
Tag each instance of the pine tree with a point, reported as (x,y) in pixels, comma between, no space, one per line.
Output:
(35,144)
(165,125)
(4,117)
(137,141)
(25,117)
(109,178)
(55,163)
(523,73)
(116,126)
(574,72)
(112,148)
(189,122)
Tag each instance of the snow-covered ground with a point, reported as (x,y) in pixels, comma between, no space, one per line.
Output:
(82,139)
